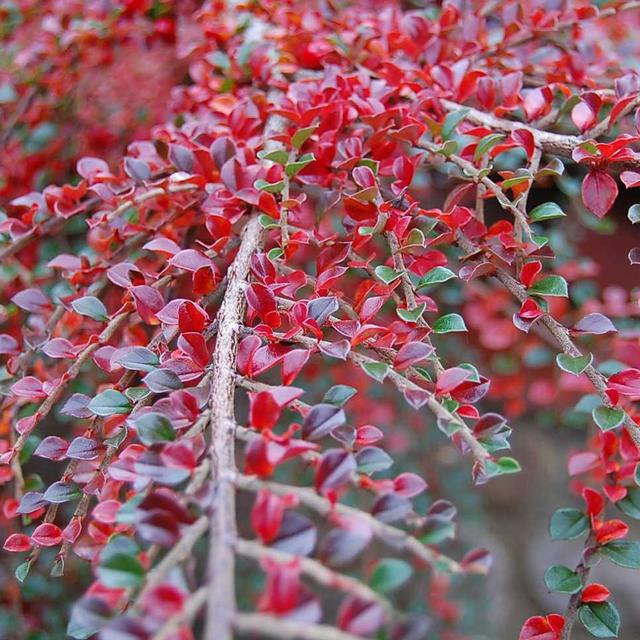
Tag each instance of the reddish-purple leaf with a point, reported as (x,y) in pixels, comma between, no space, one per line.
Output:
(599,191)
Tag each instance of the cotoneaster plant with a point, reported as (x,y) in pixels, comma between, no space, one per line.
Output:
(223,345)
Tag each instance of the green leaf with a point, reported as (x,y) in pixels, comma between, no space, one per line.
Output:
(373,459)
(138,359)
(568,524)
(487,143)
(61,492)
(561,579)
(550,286)
(546,211)
(624,553)
(22,571)
(135,394)
(219,59)
(386,274)
(516,180)
(121,571)
(292,168)
(449,323)
(275,254)
(502,466)
(600,619)
(630,504)
(374,165)
(411,315)
(390,574)
(154,427)
(634,213)
(452,121)
(267,222)
(554,168)
(376,370)
(109,403)
(437,275)
(277,155)
(574,364)
(339,394)
(302,135)
(508,465)
(608,418)
(271,187)
(90,307)
(448,148)
(415,238)
(162,380)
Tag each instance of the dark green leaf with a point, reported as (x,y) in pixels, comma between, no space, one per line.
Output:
(411,315)
(600,619)
(292,168)
(546,211)
(625,553)
(376,370)
(568,524)
(154,427)
(630,504)
(302,135)
(109,403)
(390,574)
(386,274)
(608,418)
(452,121)
(339,394)
(90,307)
(437,275)
(574,364)
(449,323)
(561,579)
(550,286)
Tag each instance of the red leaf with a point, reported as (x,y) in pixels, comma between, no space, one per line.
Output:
(599,192)
(626,382)
(409,485)
(47,535)
(52,448)
(29,388)
(450,379)
(17,543)
(595,592)
(594,324)
(543,628)
(610,530)
(266,515)
(411,353)
(360,617)
(335,469)
(264,411)
(32,300)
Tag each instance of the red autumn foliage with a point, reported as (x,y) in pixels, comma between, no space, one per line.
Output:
(255,255)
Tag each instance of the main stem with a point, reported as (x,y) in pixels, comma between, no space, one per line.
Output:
(221,598)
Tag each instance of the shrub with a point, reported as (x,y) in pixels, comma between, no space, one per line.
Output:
(225,346)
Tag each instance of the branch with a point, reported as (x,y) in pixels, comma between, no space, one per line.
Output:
(557,143)
(571,612)
(562,337)
(221,604)
(560,26)
(265,626)
(385,532)
(403,383)
(316,571)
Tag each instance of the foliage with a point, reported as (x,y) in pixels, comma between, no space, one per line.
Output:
(200,331)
